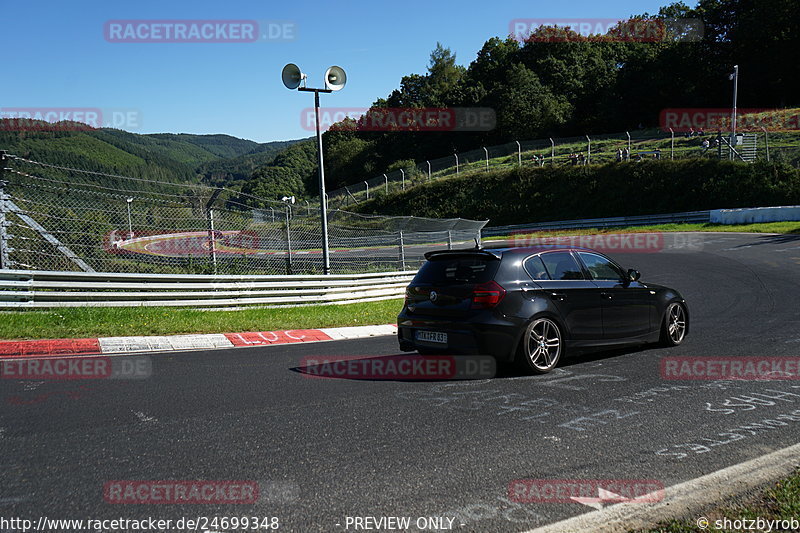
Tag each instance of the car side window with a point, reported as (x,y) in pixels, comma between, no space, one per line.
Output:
(600,267)
(535,268)
(562,266)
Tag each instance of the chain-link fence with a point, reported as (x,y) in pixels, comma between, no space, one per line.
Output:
(59,218)
(587,149)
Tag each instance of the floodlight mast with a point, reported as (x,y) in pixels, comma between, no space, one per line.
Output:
(335,79)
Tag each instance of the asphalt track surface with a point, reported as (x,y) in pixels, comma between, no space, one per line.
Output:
(327,449)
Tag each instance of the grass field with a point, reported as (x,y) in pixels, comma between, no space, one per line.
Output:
(123,321)
(779,502)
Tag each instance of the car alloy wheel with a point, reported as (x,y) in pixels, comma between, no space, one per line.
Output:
(542,345)
(674,328)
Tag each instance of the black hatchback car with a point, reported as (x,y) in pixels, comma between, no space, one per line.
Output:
(531,305)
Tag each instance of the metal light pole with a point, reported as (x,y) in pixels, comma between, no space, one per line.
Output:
(335,79)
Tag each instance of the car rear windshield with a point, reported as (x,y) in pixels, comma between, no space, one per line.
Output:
(447,269)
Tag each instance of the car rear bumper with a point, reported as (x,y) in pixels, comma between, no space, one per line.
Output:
(484,334)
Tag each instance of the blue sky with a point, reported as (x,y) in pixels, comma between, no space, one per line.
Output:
(55,55)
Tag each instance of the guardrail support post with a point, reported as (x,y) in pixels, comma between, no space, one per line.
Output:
(402,252)
(4,264)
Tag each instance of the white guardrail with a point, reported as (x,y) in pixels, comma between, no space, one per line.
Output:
(42,289)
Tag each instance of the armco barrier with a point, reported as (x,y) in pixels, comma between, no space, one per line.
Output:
(756,214)
(41,289)
(639,220)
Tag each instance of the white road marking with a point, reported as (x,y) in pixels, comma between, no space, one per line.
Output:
(143,417)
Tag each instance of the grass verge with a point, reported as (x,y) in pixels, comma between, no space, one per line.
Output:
(123,321)
(778,502)
(763,227)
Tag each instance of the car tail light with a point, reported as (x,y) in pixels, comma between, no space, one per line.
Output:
(409,298)
(487,295)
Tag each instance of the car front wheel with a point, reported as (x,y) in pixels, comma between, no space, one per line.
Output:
(541,347)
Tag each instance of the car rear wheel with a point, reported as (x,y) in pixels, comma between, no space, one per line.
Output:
(673,326)
(541,347)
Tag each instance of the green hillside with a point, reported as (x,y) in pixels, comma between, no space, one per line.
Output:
(540,194)
(212,159)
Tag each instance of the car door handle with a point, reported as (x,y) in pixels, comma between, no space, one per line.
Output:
(606,295)
(560,296)
(528,289)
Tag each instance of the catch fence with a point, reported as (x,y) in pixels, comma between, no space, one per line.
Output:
(57,218)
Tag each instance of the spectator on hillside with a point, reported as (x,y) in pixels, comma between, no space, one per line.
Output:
(619,155)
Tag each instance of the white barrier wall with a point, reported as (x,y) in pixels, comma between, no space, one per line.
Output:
(755,214)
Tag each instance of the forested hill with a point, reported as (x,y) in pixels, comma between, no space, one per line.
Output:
(173,157)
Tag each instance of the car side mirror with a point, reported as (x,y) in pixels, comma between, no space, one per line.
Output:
(633,275)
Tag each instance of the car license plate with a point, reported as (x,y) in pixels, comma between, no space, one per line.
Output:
(432,336)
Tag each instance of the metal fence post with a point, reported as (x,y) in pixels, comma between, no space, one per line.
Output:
(386,180)
(589,151)
(212,237)
(429,170)
(766,141)
(629,144)
(449,239)
(4,263)
(552,151)
(487,158)
(402,252)
(367,186)
(671,144)
(456,156)
(519,153)
(288,242)
(403,174)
